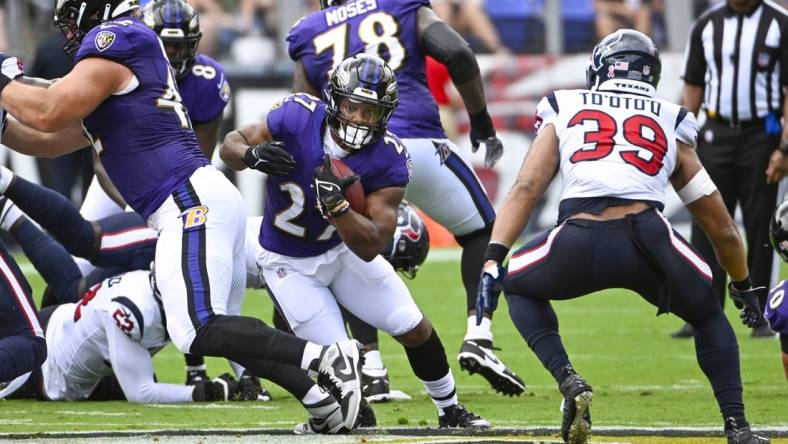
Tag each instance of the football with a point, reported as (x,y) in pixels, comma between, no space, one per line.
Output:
(355,192)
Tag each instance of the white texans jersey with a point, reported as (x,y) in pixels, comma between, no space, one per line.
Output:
(118,319)
(615,145)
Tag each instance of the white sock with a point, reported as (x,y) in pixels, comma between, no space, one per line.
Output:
(372,360)
(311,353)
(478,331)
(442,392)
(314,395)
(6,176)
(13,213)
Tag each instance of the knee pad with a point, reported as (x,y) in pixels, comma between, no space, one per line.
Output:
(402,320)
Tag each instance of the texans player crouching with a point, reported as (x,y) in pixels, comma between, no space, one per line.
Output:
(312,259)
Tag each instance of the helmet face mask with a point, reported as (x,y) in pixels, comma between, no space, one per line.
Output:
(624,61)
(362,96)
(178,26)
(75,18)
(410,244)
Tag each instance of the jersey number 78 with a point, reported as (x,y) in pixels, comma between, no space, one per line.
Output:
(378,31)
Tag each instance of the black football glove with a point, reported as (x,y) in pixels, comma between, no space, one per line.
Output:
(270,158)
(747,302)
(483,132)
(10,69)
(489,290)
(220,389)
(330,190)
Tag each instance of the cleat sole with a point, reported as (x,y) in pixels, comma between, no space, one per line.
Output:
(580,429)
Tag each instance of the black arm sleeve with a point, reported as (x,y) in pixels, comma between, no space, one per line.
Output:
(694,59)
(442,43)
(784,342)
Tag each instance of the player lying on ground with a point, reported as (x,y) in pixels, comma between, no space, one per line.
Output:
(444,186)
(318,252)
(616,148)
(115,244)
(776,312)
(122,89)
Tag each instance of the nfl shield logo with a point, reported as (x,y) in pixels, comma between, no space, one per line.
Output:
(281,272)
(104,40)
(646,70)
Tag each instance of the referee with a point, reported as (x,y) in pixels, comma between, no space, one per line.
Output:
(736,67)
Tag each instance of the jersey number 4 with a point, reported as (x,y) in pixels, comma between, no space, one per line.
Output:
(640,131)
(379,33)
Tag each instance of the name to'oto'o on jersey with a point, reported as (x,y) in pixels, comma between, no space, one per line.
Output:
(349,10)
(622,101)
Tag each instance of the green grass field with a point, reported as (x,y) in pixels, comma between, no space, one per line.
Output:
(641,377)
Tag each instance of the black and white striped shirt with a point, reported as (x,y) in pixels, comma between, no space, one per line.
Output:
(740,59)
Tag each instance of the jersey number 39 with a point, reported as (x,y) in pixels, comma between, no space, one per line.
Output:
(640,131)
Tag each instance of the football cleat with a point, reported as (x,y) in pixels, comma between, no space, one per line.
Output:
(686,331)
(366,416)
(340,367)
(458,417)
(375,384)
(477,356)
(250,389)
(742,435)
(325,417)
(195,376)
(576,425)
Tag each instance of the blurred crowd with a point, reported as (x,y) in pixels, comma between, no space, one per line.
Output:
(247,32)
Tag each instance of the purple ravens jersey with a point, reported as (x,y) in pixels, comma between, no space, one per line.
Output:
(143,136)
(776,312)
(204,90)
(292,225)
(386,28)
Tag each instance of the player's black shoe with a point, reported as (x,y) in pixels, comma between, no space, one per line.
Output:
(375,384)
(195,376)
(324,417)
(686,331)
(458,417)
(576,425)
(250,389)
(742,435)
(477,356)
(339,367)
(366,416)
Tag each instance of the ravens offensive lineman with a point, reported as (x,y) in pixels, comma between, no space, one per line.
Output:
(122,88)
(318,252)
(404,32)
(616,148)
(201,82)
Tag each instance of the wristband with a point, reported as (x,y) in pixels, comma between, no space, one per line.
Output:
(742,285)
(482,122)
(496,252)
(783,146)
